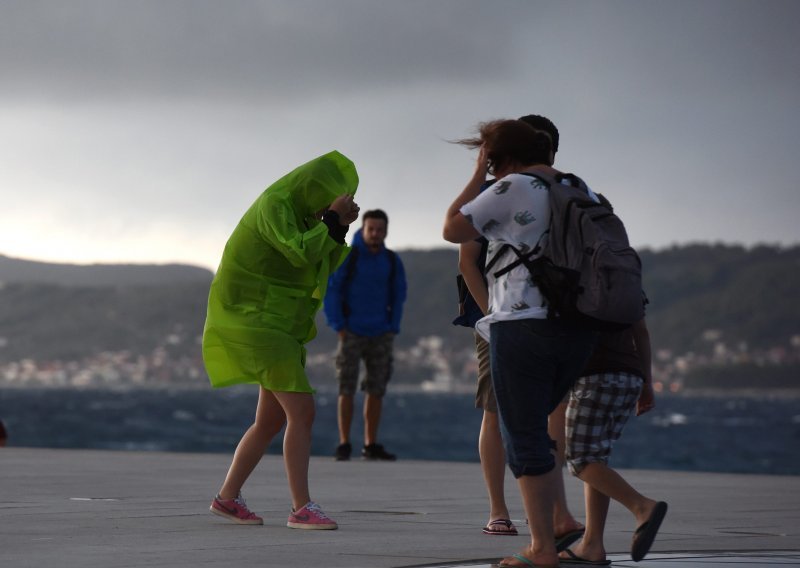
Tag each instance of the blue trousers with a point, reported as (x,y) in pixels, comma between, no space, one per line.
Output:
(534,364)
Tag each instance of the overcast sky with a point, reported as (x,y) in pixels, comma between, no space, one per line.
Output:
(141,131)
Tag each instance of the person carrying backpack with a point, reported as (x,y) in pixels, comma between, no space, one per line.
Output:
(615,383)
(534,359)
(364,305)
(473,296)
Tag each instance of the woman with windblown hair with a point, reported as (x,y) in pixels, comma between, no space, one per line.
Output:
(261,307)
(534,359)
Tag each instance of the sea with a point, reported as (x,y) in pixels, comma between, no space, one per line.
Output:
(752,433)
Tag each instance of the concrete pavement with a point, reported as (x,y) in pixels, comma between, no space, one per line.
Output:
(83,508)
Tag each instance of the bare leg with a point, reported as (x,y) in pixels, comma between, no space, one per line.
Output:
(299,409)
(270,418)
(563,521)
(537,496)
(493,463)
(610,483)
(373,405)
(345,407)
(591,547)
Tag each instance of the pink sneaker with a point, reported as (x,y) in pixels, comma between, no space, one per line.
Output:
(310,517)
(236,510)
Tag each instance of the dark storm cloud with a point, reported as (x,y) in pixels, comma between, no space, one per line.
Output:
(157,121)
(243,49)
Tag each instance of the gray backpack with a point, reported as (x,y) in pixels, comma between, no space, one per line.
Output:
(584,265)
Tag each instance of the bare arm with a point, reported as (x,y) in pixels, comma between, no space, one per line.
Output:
(457,229)
(641,337)
(468,254)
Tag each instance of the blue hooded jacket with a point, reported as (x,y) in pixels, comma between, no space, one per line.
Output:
(371,311)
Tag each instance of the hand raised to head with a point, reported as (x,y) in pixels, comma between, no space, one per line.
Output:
(482,162)
(346,208)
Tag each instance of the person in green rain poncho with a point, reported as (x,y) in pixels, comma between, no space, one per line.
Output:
(261,307)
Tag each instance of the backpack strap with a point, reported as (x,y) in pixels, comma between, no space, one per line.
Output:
(349,271)
(570,179)
(522,258)
(392,275)
(527,257)
(560,178)
(495,258)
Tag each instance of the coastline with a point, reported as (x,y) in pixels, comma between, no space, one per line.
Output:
(400,388)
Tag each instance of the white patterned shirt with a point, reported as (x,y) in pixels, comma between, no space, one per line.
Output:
(516,211)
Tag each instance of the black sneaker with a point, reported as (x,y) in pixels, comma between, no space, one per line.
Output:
(343,452)
(376,452)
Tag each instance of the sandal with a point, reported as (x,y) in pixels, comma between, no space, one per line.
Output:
(525,563)
(572,559)
(646,533)
(566,540)
(493,528)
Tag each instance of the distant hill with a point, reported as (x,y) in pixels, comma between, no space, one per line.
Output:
(739,295)
(15,270)
(700,295)
(48,321)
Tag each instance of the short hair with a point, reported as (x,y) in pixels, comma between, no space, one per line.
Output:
(511,141)
(375,214)
(540,122)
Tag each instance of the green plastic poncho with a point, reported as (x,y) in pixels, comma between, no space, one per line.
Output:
(272,279)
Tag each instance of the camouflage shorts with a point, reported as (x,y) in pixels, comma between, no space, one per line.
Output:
(377,355)
(484,397)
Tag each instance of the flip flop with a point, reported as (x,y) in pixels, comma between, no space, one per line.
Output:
(568,539)
(510,529)
(525,562)
(646,533)
(575,560)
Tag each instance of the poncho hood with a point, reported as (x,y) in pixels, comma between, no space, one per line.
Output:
(317,183)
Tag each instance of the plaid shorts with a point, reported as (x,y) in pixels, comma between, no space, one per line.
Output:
(378,359)
(599,406)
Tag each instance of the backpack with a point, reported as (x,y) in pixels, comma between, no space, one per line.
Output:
(468,310)
(584,265)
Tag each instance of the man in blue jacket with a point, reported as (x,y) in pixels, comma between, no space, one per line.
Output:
(364,305)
